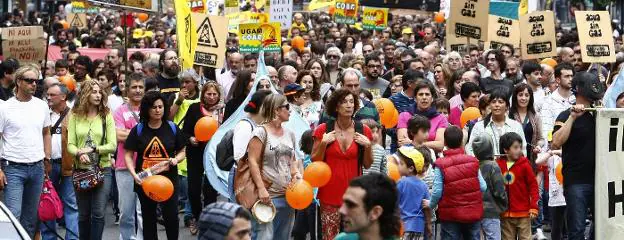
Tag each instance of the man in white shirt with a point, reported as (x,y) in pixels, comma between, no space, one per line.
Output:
(560,99)
(25,127)
(532,73)
(226,79)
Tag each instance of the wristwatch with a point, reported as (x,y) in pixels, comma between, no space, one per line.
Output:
(46,159)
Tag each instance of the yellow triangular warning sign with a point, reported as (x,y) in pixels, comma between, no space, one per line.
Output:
(206,36)
(77,21)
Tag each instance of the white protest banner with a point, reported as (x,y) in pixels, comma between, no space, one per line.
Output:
(282,12)
(595,36)
(26,44)
(469,18)
(537,34)
(609,188)
(211,37)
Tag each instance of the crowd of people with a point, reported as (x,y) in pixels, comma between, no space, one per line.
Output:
(490,178)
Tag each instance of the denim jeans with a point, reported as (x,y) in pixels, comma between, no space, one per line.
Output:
(491,228)
(231,184)
(579,197)
(22,192)
(282,224)
(455,230)
(91,208)
(128,205)
(538,222)
(184,197)
(65,190)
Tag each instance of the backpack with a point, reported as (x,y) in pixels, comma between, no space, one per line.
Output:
(225,149)
(359,128)
(50,205)
(171,125)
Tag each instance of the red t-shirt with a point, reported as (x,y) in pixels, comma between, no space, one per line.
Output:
(343,166)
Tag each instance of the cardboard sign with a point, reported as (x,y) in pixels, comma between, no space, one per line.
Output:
(375,18)
(26,44)
(346,11)
(143,5)
(458,44)
(211,37)
(537,31)
(503,31)
(78,20)
(469,18)
(595,36)
(22,33)
(425,5)
(256,36)
(282,12)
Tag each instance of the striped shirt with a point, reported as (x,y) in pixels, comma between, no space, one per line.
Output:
(379,161)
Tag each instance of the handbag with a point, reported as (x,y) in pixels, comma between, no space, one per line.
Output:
(50,205)
(86,179)
(245,190)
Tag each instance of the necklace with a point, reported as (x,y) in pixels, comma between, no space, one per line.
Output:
(342,130)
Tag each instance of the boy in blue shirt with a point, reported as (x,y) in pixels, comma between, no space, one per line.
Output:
(412,192)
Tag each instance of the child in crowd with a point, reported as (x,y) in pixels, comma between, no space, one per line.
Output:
(412,192)
(521,187)
(379,153)
(418,130)
(307,220)
(61,67)
(556,199)
(443,106)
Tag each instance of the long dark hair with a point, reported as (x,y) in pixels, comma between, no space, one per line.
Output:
(148,102)
(316,89)
(514,99)
(324,73)
(450,87)
(239,87)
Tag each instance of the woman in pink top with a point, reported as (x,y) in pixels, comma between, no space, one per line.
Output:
(425,93)
(470,93)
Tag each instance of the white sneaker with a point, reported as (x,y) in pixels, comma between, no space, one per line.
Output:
(539,235)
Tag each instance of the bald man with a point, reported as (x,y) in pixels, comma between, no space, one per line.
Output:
(427,60)
(547,75)
(286,74)
(566,55)
(226,79)
(273,75)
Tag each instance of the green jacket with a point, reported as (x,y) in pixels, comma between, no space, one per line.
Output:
(77,132)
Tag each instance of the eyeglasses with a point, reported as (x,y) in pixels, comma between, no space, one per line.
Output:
(29,80)
(287,106)
(333,57)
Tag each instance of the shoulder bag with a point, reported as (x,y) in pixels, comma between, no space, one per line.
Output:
(245,189)
(86,179)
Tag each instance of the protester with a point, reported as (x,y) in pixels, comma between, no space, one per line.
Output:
(227,221)
(312,104)
(559,100)
(523,111)
(496,65)
(92,139)
(240,89)
(469,94)
(156,132)
(168,82)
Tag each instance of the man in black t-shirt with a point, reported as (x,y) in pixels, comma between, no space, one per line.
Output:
(575,133)
(168,78)
(496,64)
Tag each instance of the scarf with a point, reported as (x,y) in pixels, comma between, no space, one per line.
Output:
(429,113)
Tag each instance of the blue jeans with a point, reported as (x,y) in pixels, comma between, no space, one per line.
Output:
(231,184)
(184,197)
(91,208)
(282,224)
(491,228)
(22,192)
(65,189)
(579,197)
(128,205)
(455,230)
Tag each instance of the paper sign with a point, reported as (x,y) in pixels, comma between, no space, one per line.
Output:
(25,50)
(425,5)
(211,37)
(595,36)
(346,11)
(469,18)
(78,20)
(22,33)
(212,7)
(198,6)
(458,44)
(256,36)
(254,17)
(537,33)
(375,18)
(503,31)
(282,12)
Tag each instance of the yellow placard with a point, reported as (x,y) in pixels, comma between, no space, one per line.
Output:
(78,20)
(187,36)
(211,37)
(318,4)
(146,4)
(346,11)
(197,6)
(254,17)
(374,18)
(231,3)
(503,31)
(596,36)
(469,18)
(537,33)
(254,37)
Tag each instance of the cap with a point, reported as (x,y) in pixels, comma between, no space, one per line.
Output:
(482,148)
(292,88)
(407,30)
(415,156)
(588,85)
(216,220)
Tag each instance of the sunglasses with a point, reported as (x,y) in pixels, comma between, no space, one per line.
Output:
(333,57)
(287,106)
(29,80)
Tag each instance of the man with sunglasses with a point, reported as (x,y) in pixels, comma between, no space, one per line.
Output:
(25,128)
(333,56)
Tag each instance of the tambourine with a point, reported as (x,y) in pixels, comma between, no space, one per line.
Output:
(263,213)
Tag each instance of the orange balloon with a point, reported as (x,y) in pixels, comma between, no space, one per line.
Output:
(559,173)
(299,195)
(469,114)
(158,188)
(439,17)
(69,82)
(317,174)
(205,128)
(142,17)
(298,43)
(393,171)
(386,110)
(332,9)
(65,24)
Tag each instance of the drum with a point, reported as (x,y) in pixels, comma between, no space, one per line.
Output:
(263,213)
